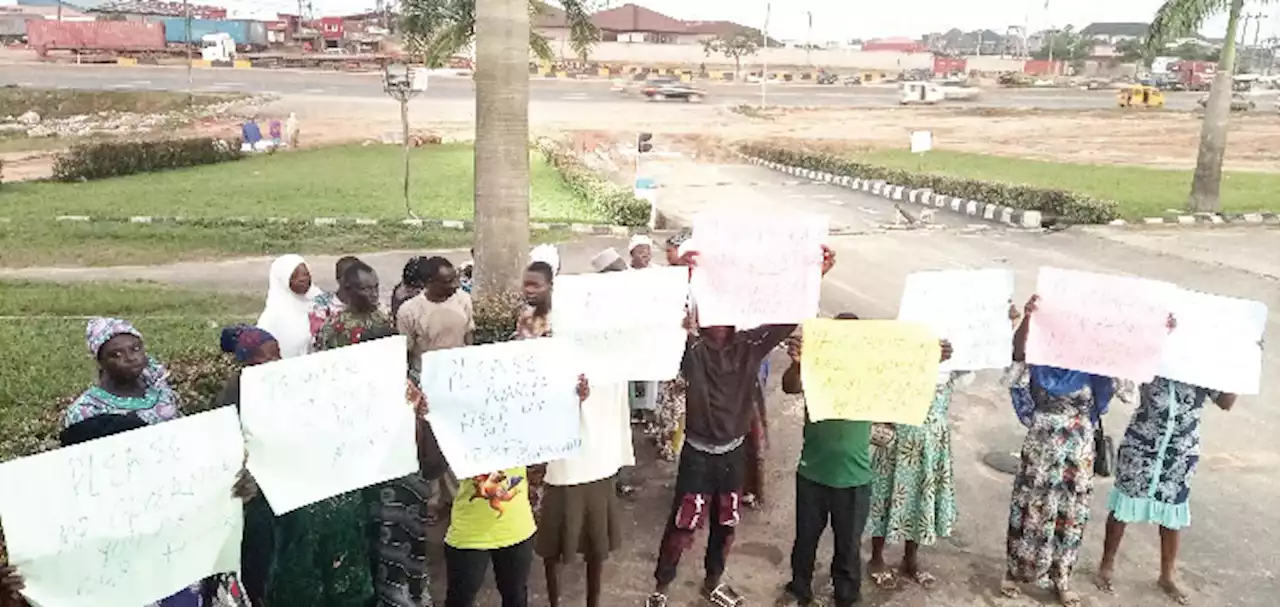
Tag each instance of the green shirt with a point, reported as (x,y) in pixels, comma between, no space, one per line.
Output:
(836,453)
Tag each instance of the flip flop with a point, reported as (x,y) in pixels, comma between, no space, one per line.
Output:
(656,600)
(885,580)
(925,579)
(1010,589)
(1069,598)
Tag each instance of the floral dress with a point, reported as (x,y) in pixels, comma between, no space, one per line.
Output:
(1049,507)
(1158,455)
(913,495)
(531,325)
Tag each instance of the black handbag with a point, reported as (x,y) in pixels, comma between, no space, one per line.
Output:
(1104,459)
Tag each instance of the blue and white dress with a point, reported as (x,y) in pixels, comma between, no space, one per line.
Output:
(1159,454)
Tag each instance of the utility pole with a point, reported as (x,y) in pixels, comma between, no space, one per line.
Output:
(191,94)
(764,55)
(808,42)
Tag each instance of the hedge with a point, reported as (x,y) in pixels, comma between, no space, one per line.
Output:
(618,204)
(1070,206)
(104,160)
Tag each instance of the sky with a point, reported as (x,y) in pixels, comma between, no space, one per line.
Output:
(847,19)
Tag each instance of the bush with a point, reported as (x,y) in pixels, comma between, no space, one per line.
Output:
(616,203)
(1073,207)
(496,316)
(103,160)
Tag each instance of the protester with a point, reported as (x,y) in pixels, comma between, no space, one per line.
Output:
(668,426)
(129,381)
(1052,490)
(290,296)
(252,346)
(439,318)
(412,281)
(913,495)
(832,485)
(534,319)
(721,367)
(221,590)
(641,249)
(580,513)
(493,521)
(757,442)
(1154,466)
(466,273)
(329,304)
(360,312)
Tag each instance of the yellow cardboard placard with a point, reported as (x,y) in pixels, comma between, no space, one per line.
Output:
(869,370)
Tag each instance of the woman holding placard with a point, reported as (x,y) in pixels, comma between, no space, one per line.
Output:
(1052,491)
(1154,466)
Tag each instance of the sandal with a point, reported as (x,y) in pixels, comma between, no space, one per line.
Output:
(1069,598)
(925,579)
(656,599)
(1010,589)
(884,580)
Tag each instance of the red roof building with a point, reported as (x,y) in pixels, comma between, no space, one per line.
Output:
(901,45)
(632,23)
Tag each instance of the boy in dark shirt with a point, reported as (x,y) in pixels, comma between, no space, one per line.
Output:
(721,367)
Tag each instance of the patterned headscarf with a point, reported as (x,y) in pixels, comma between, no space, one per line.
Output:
(678,239)
(244,341)
(100,331)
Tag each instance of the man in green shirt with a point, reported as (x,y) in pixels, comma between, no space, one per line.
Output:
(833,482)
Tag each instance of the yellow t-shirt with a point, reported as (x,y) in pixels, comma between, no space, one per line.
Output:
(492,511)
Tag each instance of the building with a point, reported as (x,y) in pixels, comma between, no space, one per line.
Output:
(1114,33)
(900,44)
(632,23)
(138,10)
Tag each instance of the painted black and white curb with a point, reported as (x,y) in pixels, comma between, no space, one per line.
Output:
(1267,217)
(1018,218)
(453,224)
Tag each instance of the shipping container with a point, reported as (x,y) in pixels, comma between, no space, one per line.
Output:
(15,26)
(246,34)
(946,66)
(46,35)
(1043,67)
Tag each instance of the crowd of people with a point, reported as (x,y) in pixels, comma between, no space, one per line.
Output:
(894,483)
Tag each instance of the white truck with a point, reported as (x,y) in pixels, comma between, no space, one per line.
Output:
(218,48)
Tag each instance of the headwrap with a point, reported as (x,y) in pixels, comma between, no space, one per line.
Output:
(547,254)
(1061,382)
(244,341)
(639,240)
(604,259)
(100,330)
(287,314)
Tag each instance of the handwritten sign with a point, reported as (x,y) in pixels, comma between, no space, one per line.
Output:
(1098,323)
(921,141)
(869,370)
(503,405)
(969,308)
(1216,344)
(128,519)
(626,325)
(328,423)
(757,269)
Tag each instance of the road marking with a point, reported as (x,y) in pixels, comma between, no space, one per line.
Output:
(824,196)
(575,96)
(140,82)
(120,87)
(795,196)
(313,91)
(838,203)
(869,210)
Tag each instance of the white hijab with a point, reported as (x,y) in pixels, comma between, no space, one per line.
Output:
(286,314)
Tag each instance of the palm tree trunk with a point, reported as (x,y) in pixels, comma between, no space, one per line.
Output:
(502,144)
(1206,185)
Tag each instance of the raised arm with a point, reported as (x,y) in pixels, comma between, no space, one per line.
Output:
(1020,336)
(791,382)
(1225,401)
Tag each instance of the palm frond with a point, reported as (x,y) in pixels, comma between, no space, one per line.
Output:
(540,47)
(583,34)
(449,41)
(1181,18)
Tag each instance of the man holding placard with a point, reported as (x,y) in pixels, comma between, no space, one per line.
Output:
(720,368)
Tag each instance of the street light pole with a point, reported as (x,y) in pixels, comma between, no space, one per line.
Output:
(398,83)
(764,69)
(191,94)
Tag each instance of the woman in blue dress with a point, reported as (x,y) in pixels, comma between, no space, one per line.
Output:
(1154,466)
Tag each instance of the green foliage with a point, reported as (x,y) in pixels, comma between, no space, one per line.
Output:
(103,160)
(496,316)
(1067,44)
(741,44)
(1071,206)
(63,103)
(438,29)
(617,204)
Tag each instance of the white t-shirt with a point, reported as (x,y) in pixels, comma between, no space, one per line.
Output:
(606,439)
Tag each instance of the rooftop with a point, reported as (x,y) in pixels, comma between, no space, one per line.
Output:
(633,18)
(1136,30)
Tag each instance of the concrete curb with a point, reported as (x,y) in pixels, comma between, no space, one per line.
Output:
(1018,218)
(1200,219)
(453,224)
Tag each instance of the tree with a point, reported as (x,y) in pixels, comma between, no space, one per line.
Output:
(1182,18)
(740,44)
(439,29)
(1067,45)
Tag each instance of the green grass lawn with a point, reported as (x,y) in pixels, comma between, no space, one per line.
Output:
(42,351)
(345,181)
(1139,191)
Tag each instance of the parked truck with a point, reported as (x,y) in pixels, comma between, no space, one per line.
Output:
(249,36)
(110,37)
(1195,75)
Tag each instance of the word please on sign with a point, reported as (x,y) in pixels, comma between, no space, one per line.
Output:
(498,406)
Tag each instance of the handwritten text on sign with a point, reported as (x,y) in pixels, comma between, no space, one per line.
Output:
(1098,323)
(128,519)
(628,326)
(969,308)
(869,370)
(503,405)
(757,269)
(328,423)
(1216,344)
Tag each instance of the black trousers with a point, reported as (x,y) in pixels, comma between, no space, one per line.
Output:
(465,569)
(708,492)
(846,510)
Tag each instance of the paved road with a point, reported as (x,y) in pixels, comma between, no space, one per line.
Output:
(1229,556)
(368,85)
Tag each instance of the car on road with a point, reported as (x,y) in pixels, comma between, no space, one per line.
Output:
(663,89)
(1239,102)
